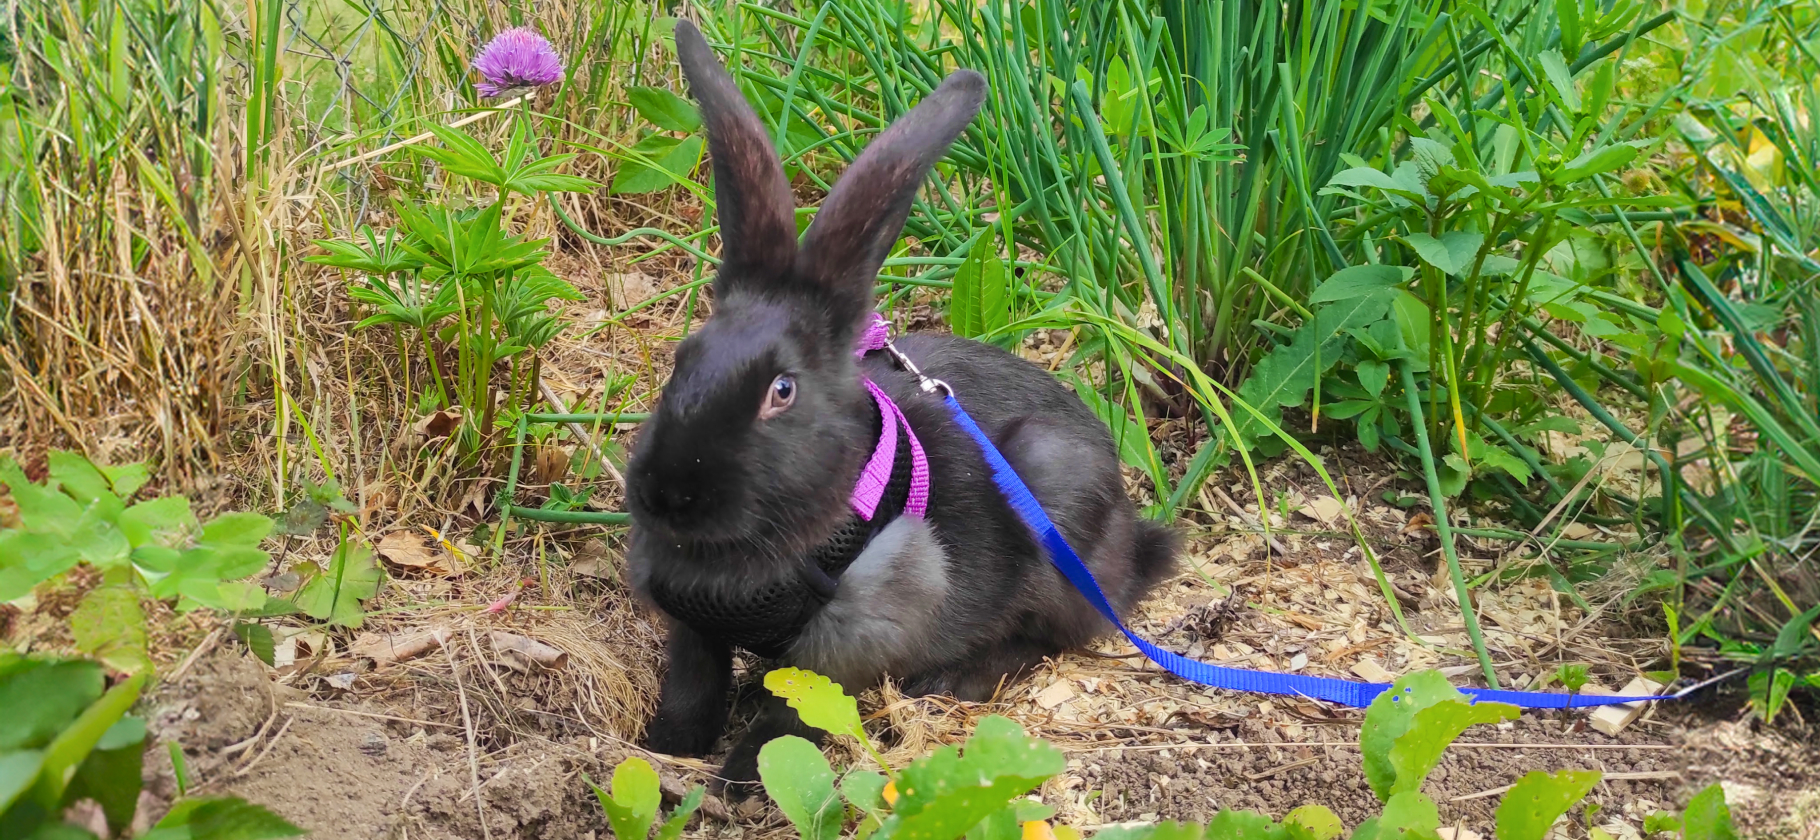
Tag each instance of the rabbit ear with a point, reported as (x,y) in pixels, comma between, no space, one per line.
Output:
(757,214)
(865,212)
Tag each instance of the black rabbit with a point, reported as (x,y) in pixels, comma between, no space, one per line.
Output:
(744,532)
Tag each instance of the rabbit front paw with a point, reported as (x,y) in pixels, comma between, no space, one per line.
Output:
(671,734)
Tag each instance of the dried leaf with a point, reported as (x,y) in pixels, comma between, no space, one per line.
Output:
(527,649)
(551,465)
(1323,509)
(440,424)
(408,550)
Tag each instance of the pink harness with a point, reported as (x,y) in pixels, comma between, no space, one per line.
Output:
(870,489)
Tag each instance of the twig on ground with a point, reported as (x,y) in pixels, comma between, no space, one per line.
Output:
(467,720)
(208,643)
(581,434)
(248,767)
(1275,544)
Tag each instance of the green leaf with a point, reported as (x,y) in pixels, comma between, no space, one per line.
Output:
(863,789)
(999,825)
(41,698)
(258,639)
(28,559)
(1708,817)
(61,831)
(1286,374)
(18,768)
(41,508)
(1769,690)
(664,109)
(1554,66)
(1418,750)
(980,302)
(167,522)
(1373,376)
(73,745)
(1596,162)
(942,795)
(1660,821)
(1244,825)
(1792,637)
(111,774)
(1389,717)
(79,478)
(632,806)
(238,529)
(110,626)
(1453,253)
(1313,822)
(1538,799)
(97,542)
(679,818)
(223,818)
(1408,816)
(659,162)
(797,777)
(1359,281)
(817,700)
(325,598)
(127,478)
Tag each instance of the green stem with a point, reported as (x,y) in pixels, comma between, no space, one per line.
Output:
(1467,612)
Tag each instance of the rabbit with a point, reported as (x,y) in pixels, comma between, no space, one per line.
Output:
(741,478)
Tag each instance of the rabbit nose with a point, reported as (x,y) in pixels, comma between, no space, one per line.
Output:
(683,499)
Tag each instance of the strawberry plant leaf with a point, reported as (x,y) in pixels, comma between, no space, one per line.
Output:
(237,529)
(258,639)
(41,698)
(110,626)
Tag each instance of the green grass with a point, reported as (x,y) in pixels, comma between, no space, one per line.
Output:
(1203,194)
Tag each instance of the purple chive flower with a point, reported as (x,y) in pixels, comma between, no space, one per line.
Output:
(517,58)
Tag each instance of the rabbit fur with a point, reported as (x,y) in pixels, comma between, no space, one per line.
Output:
(726,501)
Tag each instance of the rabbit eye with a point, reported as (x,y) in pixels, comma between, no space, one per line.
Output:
(779,397)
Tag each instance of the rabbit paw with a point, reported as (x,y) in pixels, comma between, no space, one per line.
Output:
(669,736)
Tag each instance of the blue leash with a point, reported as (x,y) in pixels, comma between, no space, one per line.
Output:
(1345,692)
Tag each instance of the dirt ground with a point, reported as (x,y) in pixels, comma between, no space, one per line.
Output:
(352,745)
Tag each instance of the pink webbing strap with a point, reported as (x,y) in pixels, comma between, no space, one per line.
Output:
(869,490)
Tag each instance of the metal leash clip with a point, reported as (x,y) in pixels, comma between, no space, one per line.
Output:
(929,384)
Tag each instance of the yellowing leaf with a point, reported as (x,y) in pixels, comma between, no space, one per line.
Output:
(819,702)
